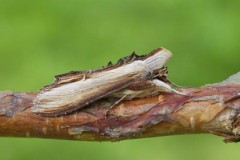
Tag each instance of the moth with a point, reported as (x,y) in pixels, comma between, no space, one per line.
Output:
(131,77)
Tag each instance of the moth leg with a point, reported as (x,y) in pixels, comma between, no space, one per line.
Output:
(143,89)
(164,87)
(175,85)
(114,104)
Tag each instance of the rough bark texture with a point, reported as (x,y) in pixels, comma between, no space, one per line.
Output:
(208,109)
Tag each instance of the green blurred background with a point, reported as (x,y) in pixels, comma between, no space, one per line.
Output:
(42,38)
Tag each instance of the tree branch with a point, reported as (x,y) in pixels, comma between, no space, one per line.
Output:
(209,109)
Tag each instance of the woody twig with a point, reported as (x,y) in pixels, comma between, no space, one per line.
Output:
(154,112)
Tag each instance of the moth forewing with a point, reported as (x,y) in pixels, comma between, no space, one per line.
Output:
(68,97)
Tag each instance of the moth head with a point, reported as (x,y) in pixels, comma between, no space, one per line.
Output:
(157,59)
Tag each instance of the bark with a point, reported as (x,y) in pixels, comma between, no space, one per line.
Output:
(209,109)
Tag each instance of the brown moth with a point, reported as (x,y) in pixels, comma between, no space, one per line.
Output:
(131,77)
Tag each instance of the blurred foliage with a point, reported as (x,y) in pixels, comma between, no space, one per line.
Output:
(42,38)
